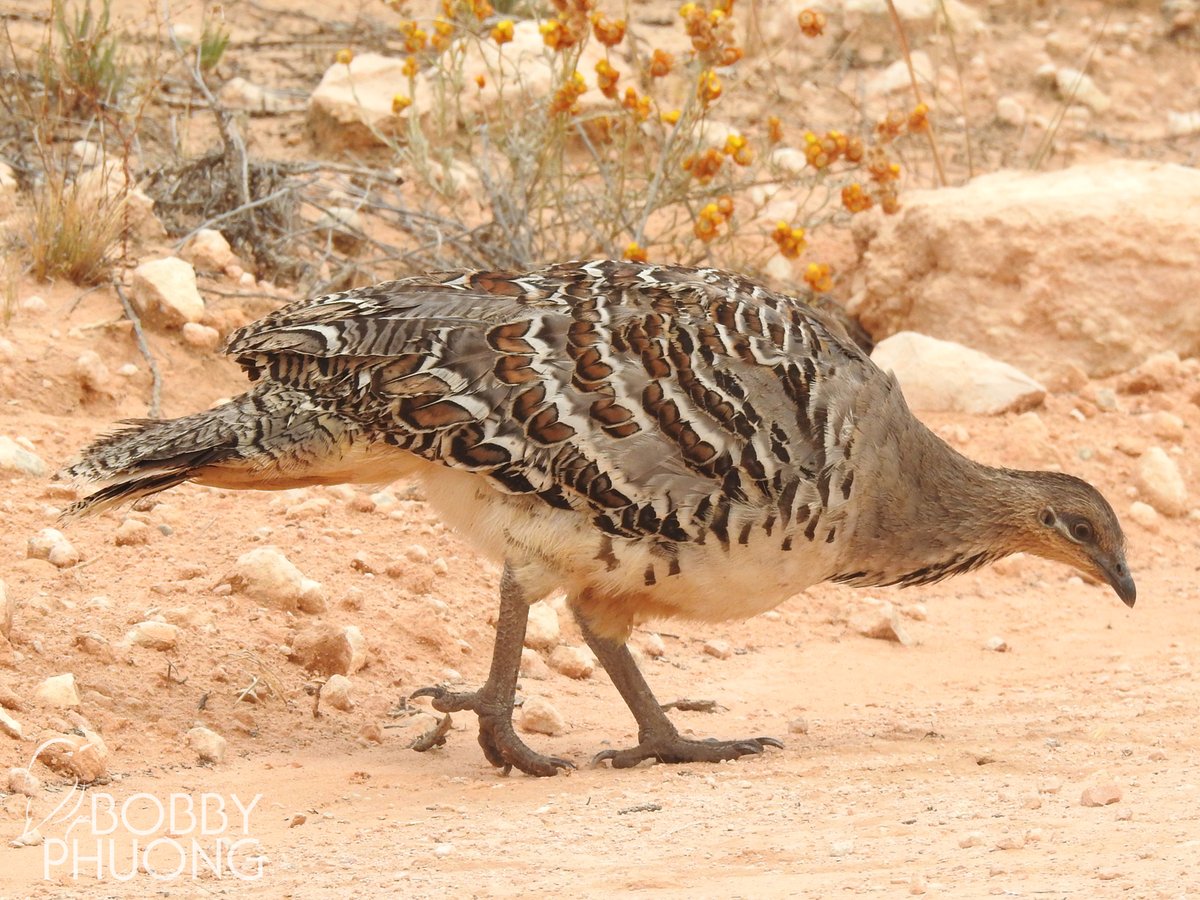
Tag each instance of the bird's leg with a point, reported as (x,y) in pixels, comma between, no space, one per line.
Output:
(493,703)
(658,739)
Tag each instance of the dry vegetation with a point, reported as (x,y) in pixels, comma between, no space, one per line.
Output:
(648,165)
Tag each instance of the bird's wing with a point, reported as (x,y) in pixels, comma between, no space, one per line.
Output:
(652,396)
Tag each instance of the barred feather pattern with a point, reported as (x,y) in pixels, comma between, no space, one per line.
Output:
(657,440)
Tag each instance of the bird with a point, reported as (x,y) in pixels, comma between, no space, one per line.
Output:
(655,441)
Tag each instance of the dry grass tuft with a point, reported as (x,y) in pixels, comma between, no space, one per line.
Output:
(71,231)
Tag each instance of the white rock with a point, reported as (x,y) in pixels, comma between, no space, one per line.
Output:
(154,635)
(1077,87)
(574,662)
(1166,425)
(202,337)
(996,645)
(718,648)
(1010,111)
(538,716)
(330,650)
(1100,790)
(779,268)
(52,545)
(34,305)
(92,373)
(352,106)
(532,665)
(164,292)
(1183,124)
(652,645)
(22,781)
(132,533)
(84,756)
(1021,240)
(58,691)
(267,576)
(208,251)
(896,78)
(1161,484)
(942,376)
(542,632)
(10,726)
(1144,514)
(8,180)
(337,692)
(882,623)
(793,162)
(15,458)
(209,746)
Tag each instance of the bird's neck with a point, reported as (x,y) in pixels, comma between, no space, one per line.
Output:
(944,514)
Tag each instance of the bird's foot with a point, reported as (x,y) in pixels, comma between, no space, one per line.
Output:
(499,741)
(505,750)
(446,700)
(672,748)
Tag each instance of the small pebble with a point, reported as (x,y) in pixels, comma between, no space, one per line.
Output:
(542,632)
(718,649)
(58,691)
(539,716)
(337,692)
(532,665)
(1161,484)
(1144,514)
(209,746)
(1101,790)
(574,662)
(996,645)
(154,635)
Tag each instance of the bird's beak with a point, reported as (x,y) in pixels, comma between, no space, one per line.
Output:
(1116,573)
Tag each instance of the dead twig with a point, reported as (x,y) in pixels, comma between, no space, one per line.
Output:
(434,737)
(155,409)
(684,705)
(916,87)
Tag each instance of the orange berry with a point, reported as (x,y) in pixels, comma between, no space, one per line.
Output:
(661,63)
(812,23)
(635,252)
(502,31)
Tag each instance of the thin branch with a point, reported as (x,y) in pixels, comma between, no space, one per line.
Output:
(916,87)
(155,408)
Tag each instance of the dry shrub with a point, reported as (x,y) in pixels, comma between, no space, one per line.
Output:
(72,231)
(624,155)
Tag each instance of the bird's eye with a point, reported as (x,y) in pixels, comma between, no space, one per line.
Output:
(1082,532)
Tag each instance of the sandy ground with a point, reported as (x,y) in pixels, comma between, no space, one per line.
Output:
(911,752)
(939,767)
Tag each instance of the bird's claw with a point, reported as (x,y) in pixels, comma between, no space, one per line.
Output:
(676,749)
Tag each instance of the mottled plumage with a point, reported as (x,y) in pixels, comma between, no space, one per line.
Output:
(655,440)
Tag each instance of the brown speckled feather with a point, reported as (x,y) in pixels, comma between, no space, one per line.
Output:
(655,440)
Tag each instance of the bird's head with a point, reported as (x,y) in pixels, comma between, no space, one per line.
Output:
(1067,520)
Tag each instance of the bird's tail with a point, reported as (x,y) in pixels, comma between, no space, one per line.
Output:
(271,437)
